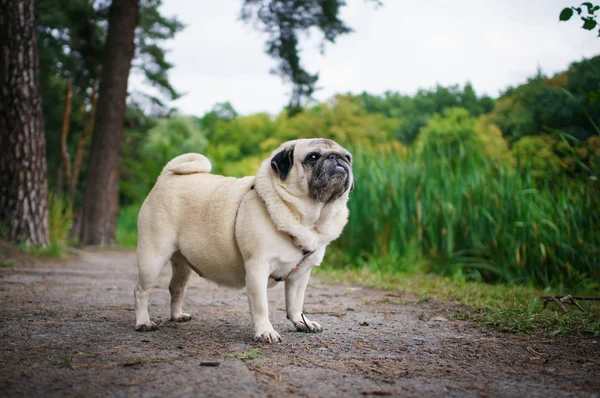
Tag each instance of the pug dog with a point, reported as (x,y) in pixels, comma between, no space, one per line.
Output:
(248,232)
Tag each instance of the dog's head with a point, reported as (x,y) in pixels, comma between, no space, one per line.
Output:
(318,169)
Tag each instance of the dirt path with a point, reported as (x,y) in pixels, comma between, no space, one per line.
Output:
(66,329)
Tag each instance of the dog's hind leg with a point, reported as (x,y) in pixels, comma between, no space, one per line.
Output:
(152,258)
(181,275)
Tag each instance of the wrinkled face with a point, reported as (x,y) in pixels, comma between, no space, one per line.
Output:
(319,168)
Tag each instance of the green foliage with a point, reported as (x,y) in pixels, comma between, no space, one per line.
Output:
(456,139)
(172,137)
(494,144)
(239,139)
(60,219)
(548,156)
(239,144)
(415,112)
(342,120)
(566,14)
(145,154)
(588,18)
(71,36)
(536,153)
(71,39)
(562,102)
(450,136)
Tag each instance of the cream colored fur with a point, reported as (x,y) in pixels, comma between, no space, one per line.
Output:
(189,218)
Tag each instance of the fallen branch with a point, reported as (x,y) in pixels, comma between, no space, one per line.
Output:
(568,299)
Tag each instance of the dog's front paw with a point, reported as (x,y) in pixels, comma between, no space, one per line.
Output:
(302,324)
(269,336)
(146,327)
(183,317)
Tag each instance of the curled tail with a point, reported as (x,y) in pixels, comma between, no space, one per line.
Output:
(190,163)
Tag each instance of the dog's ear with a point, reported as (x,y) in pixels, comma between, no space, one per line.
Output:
(282,162)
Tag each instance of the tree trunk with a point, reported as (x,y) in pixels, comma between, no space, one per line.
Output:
(83,143)
(65,166)
(101,200)
(23,174)
(75,232)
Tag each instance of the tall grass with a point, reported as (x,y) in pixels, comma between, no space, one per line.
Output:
(472,219)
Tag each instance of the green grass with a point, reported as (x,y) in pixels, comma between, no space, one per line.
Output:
(246,355)
(510,308)
(67,362)
(54,249)
(7,263)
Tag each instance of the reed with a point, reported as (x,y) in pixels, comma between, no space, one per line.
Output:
(472,219)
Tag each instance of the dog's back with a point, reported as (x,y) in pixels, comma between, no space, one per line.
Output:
(194,211)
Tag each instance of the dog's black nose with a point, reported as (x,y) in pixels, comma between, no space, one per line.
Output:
(333,156)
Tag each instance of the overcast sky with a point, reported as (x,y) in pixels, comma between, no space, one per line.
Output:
(402,46)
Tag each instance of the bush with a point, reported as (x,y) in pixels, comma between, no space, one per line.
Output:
(536,153)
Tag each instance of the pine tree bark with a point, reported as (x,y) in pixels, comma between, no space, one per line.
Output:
(23,173)
(101,200)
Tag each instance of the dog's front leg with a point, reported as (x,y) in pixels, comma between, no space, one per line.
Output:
(294,303)
(257,279)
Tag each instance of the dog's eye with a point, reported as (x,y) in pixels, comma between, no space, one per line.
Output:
(349,158)
(312,157)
